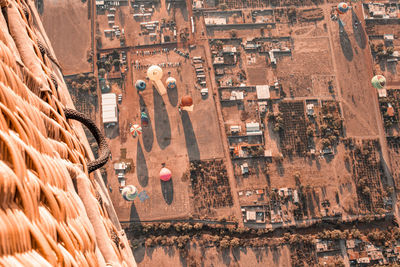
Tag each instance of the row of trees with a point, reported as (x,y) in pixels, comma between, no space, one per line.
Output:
(182,228)
(83,82)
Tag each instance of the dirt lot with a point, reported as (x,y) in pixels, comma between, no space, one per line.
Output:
(353,59)
(170,138)
(71,39)
(309,64)
(213,257)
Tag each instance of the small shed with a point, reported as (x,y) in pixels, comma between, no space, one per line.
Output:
(390,110)
(310,109)
(250,215)
(235,129)
(236,95)
(245,168)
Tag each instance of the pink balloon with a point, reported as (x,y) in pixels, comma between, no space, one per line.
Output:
(165,174)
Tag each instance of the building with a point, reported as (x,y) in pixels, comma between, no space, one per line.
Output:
(272,57)
(218,60)
(229,49)
(382,92)
(295,197)
(250,215)
(253,128)
(244,168)
(235,129)
(388,37)
(215,21)
(263,92)
(236,95)
(390,110)
(109,109)
(310,109)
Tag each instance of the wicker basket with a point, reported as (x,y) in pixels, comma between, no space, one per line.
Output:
(52,212)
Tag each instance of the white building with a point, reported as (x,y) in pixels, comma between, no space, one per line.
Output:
(253,128)
(263,92)
(109,108)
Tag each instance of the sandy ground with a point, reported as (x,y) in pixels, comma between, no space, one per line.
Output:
(354,73)
(170,138)
(71,38)
(161,256)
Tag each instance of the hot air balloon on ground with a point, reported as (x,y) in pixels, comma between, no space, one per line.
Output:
(171,83)
(342,7)
(155,74)
(144,118)
(136,130)
(140,85)
(378,81)
(165,174)
(129,192)
(187,103)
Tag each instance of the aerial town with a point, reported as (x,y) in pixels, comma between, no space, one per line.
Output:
(242,132)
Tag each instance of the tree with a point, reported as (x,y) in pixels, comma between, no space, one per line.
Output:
(355,233)
(325,142)
(390,50)
(235,242)
(102,72)
(116,62)
(223,6)
(150,241)
(224,243)
(81,77)
(99,43)
(107,65)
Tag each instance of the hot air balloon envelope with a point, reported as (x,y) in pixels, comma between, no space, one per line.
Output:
(378,81)
(140,85)
(136,130)
(342,7)
(187,103)
(129,192)
(165,174)
(144,119)
(154,73)
(171,83)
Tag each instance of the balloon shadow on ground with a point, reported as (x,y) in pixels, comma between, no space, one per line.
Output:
(359,33)
(190,138)
(173,96)
(167,189)
(226,257)
(139,253)
(141,166)
(345,43)
(147,131)
(112,131)
(161,121)
(134,216)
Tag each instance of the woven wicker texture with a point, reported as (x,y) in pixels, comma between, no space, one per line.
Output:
(51,211)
